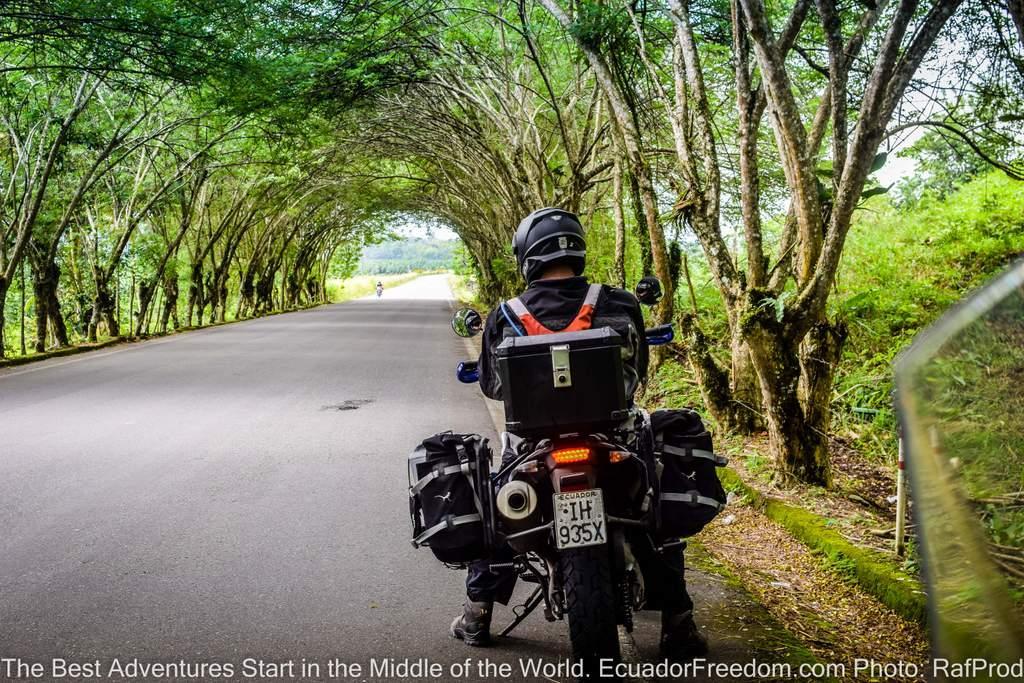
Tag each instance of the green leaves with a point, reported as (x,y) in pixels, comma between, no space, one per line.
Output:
(776,304)
(598,25)
(875,191)
(879,161)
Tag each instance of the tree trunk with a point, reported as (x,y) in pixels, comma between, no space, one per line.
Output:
(4,286)
(729,401)
(646,259)
(222,301)
(21,315)
(170,307)
(49,319)
(246,292)
(620,227)
(131,307)
(820,353)
(264,293)
(195,296)
(147,292)
(746,395)
(103,312)
(798,443)
(41,313)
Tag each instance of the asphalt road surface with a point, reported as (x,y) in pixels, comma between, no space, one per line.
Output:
(240,492)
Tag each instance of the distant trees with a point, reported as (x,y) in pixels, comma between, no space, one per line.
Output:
(406,255)
(160,167)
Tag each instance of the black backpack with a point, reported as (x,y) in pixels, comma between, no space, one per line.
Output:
(691,494)
(451,499)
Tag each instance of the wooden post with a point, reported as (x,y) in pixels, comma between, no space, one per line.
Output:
(901,501)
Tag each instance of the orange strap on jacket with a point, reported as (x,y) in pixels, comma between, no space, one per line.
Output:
(583,320)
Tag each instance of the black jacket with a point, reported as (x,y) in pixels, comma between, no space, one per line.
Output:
(554,303)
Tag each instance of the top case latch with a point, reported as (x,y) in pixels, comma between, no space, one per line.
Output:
(560,367)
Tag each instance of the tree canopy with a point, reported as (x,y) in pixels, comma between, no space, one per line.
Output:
(170,163)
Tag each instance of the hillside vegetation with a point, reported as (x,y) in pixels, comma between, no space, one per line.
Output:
(903,268)
(406,255)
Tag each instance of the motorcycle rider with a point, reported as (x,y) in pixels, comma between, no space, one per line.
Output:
(550,251)
(380,288)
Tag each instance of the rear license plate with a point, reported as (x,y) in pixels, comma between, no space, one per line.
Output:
(579,519)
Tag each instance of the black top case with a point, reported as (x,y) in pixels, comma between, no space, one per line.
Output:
(562,383)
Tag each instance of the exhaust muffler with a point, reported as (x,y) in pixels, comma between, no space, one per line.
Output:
(519,509)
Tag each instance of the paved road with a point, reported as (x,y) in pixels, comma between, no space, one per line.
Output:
(240,492)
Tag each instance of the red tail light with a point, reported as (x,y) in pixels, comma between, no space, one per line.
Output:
(567,456)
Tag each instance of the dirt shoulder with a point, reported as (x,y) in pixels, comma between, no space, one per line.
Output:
(837,620)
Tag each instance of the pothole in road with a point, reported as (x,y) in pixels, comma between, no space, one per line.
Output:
(350,404)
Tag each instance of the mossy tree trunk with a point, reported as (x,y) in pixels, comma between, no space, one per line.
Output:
(745,395)
(786,335)
(619,216)
(4,286)
(797,436)
(733,398)
(170,305)
(103,313)
(45,278)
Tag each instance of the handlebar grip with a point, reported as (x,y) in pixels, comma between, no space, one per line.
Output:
(468,371)
(662,334)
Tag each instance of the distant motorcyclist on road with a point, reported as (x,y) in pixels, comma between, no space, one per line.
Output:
(380,289)
(550,250)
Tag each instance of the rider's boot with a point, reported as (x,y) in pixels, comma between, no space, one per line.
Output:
(681,641)
(473,626)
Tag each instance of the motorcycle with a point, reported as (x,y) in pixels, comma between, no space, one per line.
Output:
(380,291)
(576,507)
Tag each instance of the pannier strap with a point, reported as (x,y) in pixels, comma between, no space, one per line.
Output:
(693,498)
(719,460)
(434,474)
(449,522)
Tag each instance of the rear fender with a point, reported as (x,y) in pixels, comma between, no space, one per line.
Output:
(574,477)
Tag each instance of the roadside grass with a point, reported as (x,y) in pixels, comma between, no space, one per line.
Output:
(465,293)
(359,286)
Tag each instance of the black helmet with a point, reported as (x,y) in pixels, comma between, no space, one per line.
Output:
(549,236)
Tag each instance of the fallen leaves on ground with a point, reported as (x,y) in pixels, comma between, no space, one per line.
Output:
(837,620)
(857,505)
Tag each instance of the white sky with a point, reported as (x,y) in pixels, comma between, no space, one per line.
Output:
(415,228)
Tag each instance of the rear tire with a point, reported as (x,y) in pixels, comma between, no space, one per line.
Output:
(590,606)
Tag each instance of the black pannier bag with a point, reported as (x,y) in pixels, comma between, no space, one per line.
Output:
(691,494)
(562,382)
(451,499)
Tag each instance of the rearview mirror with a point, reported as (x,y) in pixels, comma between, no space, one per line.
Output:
(467,323)
(648,290)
